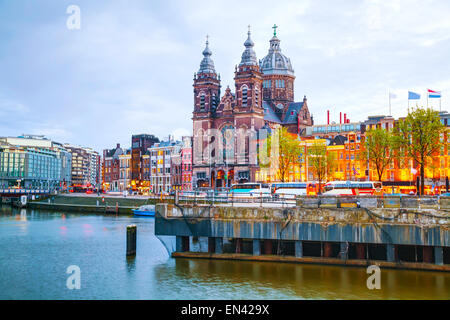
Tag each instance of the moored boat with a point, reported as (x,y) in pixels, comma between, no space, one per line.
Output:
(145,210)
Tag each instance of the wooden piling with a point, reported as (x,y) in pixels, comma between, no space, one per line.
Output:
(131,240)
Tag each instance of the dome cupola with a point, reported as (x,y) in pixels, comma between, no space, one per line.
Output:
(275,62)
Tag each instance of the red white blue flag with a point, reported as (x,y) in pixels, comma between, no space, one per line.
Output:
(434,94)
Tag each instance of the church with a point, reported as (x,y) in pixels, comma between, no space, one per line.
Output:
(263,98)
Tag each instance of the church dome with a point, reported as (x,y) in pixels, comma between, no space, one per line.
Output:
(275,62)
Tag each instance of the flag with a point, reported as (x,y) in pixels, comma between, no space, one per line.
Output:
(434,94)
(413,96)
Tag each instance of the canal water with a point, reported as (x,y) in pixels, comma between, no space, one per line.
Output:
(37,247)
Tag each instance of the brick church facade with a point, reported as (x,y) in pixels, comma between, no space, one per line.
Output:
(226,127)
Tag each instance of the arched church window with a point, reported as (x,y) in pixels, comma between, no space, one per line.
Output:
(214,100)
(256,96)
(202,101)
(244,97)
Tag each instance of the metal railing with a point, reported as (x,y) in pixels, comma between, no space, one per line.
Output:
(212,197)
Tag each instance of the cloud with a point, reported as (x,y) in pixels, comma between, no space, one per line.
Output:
(130,67)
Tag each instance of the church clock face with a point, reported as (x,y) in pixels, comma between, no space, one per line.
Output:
(280,106)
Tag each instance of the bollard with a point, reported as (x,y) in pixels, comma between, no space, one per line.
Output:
(131,240)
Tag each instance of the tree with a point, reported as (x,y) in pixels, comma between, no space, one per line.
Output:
(379,149)
(418,136)
(320,160)
(286,147)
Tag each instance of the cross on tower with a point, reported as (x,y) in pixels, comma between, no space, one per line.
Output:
(274,30)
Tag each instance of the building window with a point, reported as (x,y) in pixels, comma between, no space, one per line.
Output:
(244,97)
(202,102)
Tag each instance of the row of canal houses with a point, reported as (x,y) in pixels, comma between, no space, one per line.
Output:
(149,166)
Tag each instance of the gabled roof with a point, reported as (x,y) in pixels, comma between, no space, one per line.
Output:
(338,140)
(292,112)
(269,114)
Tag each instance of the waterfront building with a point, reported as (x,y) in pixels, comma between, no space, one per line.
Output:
(111,168)
(160,164)
(125,171)
(34,162)
(139,147)
(263,98)
(176,170)
(85,166)
(186,164)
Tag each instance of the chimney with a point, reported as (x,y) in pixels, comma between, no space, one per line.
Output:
(345,118)
(328,116)
(340,117)
(118,145)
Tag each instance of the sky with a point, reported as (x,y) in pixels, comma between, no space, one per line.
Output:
(129,68)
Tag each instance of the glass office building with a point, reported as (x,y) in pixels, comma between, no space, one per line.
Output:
(33,163)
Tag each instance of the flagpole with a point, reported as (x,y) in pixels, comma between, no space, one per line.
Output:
(389,102)
(408,102)
(427,98)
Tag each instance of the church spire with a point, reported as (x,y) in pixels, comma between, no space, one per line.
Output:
(207,64)
(249,55)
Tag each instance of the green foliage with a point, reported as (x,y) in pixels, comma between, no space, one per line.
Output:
(379,149)
(286,147)
(418,137)
(320,160)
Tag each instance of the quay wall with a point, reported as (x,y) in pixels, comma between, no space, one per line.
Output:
(426,227)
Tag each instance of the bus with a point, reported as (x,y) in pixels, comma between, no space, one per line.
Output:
(348,188)
(292,189)
(251,189)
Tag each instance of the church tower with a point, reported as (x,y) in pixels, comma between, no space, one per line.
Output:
(248,81)
(278,79)
(206,86)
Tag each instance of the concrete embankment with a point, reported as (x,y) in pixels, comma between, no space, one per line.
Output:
(91,204)
(410,238)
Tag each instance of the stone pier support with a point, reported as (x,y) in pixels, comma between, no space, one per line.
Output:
(219,245)
(361,251)
(390,252)
(178,244)
(256,247)
(427,254)
(267,246)
(211,245)
(327,249)
(299,249)
(185,244)
(344,251)
(439,256)
(238,245)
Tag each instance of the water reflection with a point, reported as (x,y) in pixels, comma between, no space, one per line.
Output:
(40,245)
